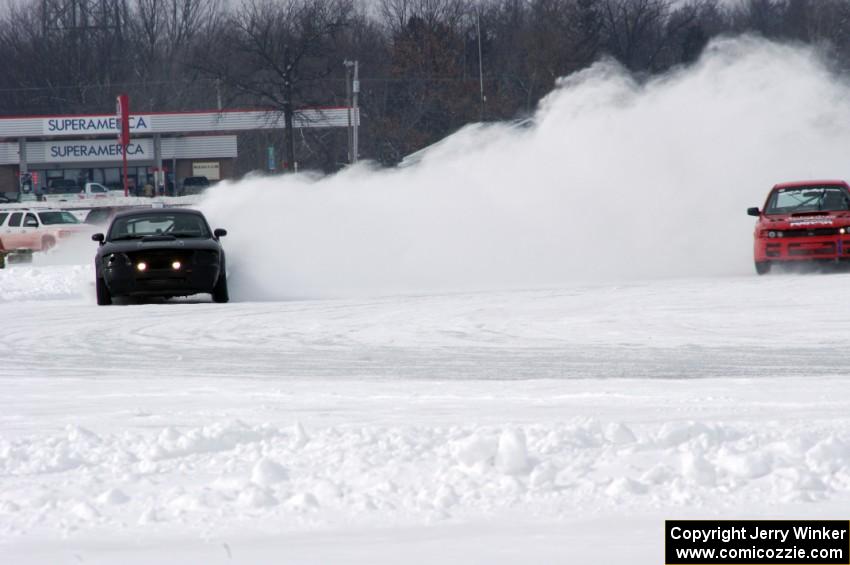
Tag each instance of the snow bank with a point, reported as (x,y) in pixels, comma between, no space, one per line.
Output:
(80,204)
(232,475)
(27,282)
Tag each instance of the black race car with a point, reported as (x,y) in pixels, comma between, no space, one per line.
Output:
(160,252)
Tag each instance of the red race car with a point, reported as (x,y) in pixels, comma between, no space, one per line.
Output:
(802,221)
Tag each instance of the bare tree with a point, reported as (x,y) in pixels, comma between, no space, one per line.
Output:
(165,32)
(276,53)
(429,91)
(420,59)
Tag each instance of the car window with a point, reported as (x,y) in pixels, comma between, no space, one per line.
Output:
(53,218)
(178,224)
(98,188)
(3,216)
(15,220)
(808,199)
(30,221)
(97,216)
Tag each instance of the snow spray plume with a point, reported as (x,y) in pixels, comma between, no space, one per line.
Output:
(77,250)
(616,180)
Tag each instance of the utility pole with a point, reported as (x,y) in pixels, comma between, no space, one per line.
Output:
(480,62)
(83,18)
(287,110)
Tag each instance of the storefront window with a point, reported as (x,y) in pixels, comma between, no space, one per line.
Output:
(111,176)
(72,174)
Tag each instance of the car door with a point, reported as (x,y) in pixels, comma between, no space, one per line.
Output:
(12,231)
(3,241)
(98,190)
(30,234)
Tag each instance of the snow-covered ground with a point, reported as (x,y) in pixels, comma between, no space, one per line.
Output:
(547,425)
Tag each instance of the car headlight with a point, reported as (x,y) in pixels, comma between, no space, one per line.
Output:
(142,266)
(116,260)
(771,234)
(206,257)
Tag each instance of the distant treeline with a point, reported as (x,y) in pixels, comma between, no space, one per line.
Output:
(419,59)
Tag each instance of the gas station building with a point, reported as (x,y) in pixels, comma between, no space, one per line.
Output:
(85,148)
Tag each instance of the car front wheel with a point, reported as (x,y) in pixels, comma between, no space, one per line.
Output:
(762,267)
(104,298)
(219,293)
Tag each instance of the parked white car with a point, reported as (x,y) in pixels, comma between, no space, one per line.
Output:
(37,229)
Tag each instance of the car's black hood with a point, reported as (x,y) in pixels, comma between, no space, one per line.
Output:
(152,244)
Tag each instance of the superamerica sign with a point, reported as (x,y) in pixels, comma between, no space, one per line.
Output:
(93,125)
(94,150)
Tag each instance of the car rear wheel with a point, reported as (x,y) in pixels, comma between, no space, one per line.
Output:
(762,267)
(104,298)
(219,293)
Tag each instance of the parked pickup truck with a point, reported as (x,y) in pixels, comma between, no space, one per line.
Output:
(63,190)
(37,229)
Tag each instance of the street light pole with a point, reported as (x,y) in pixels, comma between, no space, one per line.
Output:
(356,131)
(349,131)
(352,90)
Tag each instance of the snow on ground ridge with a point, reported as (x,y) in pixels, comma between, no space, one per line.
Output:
(200,478)
(23,282)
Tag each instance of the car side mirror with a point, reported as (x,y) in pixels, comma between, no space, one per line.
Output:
(98,237)
(220,232)
(753,212)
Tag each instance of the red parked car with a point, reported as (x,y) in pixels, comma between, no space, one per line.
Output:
(802,221)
